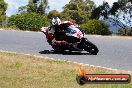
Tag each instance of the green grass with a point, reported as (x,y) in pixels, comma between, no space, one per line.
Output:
(23,71)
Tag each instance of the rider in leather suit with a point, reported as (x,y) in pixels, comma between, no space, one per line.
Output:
(60,28)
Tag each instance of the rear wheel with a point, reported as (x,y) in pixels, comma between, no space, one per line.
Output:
(58,49)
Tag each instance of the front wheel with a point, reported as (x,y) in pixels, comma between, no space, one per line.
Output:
(90,47)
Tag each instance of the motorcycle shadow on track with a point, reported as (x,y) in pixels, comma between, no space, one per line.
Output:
(64,53)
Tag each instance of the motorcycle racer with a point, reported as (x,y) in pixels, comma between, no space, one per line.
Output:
(64,35)
(59,28)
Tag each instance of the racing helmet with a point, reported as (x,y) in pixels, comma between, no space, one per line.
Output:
(56,21)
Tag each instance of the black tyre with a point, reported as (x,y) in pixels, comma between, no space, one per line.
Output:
(91,48)
(94,50)
(58,49)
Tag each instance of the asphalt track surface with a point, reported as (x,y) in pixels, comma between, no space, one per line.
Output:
(115,53)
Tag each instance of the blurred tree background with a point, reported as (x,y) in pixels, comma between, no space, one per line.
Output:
(96,27)
(3,7)
(120,11)
(83,12)
(36,6)
(31,17)
(28,21)
(79,11)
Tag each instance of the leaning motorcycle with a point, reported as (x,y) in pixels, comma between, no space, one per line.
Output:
(75,40)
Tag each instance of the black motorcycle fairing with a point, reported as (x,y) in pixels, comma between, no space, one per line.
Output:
(72,39)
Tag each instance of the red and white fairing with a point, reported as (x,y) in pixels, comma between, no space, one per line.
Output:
(75,32)
(49,34)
